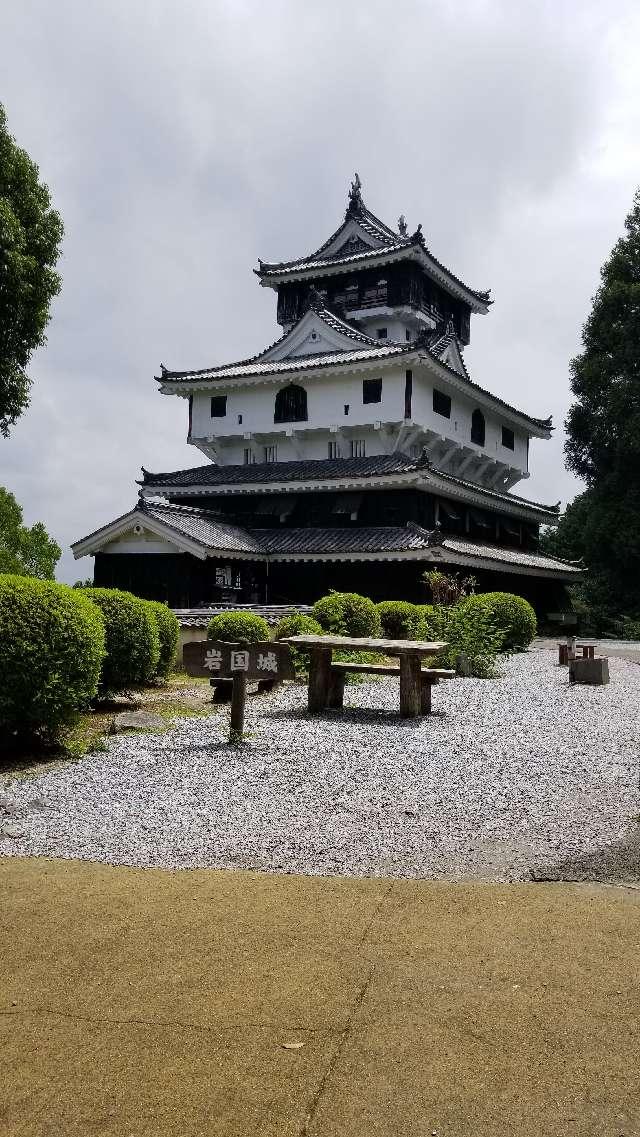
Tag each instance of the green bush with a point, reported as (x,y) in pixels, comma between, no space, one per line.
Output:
(238,627)
(434,621)
(132,639)
(400,619)
(512,614)
(471,631)
(169,634)
(297,624)
(348,614)
(53,644)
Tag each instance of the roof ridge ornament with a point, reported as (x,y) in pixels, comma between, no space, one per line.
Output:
(356,204)
(417,237)
(315,300)
(403,228)
(431,536)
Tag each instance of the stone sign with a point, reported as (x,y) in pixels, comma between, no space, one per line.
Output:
(214,659)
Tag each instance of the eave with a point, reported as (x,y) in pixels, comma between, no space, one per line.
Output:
(271,276)
(358,361)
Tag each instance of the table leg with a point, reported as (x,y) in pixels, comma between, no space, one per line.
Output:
(425,695)
(319,677)
(335,697)
(410,687)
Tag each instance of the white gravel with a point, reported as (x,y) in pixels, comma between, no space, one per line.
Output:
(507,775)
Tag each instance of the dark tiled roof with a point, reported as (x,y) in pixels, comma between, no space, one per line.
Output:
(379,539)
(505,556)
(203,527)
(305,470)
(321,470)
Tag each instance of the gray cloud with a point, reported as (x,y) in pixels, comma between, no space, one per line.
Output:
(182,141)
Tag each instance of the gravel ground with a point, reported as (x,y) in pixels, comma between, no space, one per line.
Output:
(507,778)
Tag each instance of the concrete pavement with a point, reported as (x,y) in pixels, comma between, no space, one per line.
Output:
(148,1002)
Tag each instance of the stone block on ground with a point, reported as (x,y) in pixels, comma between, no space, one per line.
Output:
(594,671)
(137,720)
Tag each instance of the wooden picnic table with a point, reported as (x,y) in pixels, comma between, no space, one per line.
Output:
(410,653)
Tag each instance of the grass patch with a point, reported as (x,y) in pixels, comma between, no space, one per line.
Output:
(181,696)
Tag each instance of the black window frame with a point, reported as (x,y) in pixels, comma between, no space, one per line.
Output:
(220,401)
(444,400)
(382,333)
(372,387)
(507,432)
(291,404)
(478,428)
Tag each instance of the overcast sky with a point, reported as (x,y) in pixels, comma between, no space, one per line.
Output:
(182,140)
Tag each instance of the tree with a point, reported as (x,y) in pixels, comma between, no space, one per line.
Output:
(30,236)
(603,434)
(27,552)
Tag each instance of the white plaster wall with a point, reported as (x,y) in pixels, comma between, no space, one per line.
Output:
(458,427)
(326,399)
(147,542)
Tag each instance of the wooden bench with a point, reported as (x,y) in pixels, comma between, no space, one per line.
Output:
(429,676)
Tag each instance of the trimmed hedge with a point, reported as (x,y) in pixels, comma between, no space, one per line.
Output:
(238,627)
(169,634)
(512,614)
(348,614)
(400,619)
(132,639)
(53,644)
(297,624)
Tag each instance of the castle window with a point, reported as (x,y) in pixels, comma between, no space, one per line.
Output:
(358,448)
(291,404)
(346,408)
(441,403)
(249,457)
(372,390)
(477,428)
(382,333)
(508,438)
(271,453)
(408,393)
(218,406)
(334,450)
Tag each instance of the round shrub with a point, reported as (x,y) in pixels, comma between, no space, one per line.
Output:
(169,634)
(348,614)
(400,619)
(512,614)
(297,624)
(53,644)
(238,627)
(132,639)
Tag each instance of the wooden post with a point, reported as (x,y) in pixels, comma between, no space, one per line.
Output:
(410,684)
(425,694)
(319,675)
(335,696)
(238,700)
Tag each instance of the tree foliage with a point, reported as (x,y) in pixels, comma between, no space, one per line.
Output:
(24,551)
(30,236)
(602,525)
